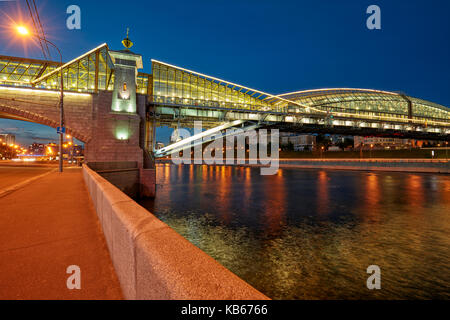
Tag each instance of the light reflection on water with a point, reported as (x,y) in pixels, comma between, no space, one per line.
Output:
(311,234)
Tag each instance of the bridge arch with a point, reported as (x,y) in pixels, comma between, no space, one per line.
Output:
(15,113)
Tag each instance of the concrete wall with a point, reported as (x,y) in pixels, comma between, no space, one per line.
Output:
(151,260)
(399,165)
(147,179)
(115,136)
(126,180)
(115,165)
(125,175)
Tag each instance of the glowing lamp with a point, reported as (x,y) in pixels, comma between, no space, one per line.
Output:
(23,30)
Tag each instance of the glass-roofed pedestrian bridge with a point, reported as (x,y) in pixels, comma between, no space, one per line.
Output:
(181,96)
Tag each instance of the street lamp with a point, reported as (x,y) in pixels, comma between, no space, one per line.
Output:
(23,31)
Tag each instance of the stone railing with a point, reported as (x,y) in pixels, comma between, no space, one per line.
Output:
(151,260)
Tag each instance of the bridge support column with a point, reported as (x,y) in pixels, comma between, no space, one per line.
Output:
(150,130)
(147,182)
(115,136)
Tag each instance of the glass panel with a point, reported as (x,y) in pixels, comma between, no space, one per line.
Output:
(192,89)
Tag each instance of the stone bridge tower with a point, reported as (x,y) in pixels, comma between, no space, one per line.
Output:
(118,133)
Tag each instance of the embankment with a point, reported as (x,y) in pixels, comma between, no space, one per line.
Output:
(399,165)
(151,260)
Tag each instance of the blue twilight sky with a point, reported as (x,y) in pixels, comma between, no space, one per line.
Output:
(273,45)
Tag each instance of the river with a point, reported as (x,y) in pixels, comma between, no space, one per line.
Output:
(311,234)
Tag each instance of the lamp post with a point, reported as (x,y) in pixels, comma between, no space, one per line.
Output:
(70,138)
(24,32)
(446,149)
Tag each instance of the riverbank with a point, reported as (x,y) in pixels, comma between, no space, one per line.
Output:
(367,154)
(394,165)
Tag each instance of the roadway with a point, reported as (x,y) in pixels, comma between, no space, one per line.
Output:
(13,173)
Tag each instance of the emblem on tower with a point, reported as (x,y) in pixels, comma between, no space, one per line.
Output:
(127,42)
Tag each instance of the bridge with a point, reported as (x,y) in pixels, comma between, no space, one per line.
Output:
(114,109)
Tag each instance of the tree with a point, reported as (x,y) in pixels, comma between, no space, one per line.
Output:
(288,147)
(346,143)
(323,141)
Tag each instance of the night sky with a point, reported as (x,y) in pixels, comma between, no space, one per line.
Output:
(275,46)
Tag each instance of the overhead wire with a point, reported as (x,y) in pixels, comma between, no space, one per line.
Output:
(42,29)
(36,30)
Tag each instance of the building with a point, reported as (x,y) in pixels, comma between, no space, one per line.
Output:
(381,143)
(51,150)
(334,148)
(36,149)
(8,138)
(77,150)
(299,142)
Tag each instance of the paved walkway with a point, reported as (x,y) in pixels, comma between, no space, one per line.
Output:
(45,227)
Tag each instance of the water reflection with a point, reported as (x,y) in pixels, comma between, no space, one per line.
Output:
(415,193)
(311,234)
(371,203)
(322,193)
(275,198)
